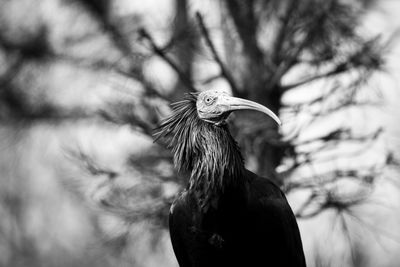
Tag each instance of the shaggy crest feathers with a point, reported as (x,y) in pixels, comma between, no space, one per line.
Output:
(206,150)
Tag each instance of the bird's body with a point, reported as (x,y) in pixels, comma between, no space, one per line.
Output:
(227,216)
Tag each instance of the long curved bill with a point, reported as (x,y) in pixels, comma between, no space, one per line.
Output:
(235,103)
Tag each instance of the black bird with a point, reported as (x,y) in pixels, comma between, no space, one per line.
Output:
(227,215)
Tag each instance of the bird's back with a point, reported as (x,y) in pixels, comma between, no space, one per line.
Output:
(250,227)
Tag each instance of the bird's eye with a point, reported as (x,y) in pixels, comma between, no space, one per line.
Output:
(208,100)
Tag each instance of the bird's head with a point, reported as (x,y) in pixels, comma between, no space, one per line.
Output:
(214,106)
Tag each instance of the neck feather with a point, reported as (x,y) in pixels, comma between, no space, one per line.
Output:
(204,149)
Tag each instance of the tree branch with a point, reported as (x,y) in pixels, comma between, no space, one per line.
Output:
(224,72)
(159,51)
(246,24)
(337,70)
(292,57)
(107,66)
(333,201)
(100,11)
(344,134)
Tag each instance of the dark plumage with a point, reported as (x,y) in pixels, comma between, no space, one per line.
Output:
(227,215)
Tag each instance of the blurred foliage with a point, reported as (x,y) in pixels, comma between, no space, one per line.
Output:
(83,84)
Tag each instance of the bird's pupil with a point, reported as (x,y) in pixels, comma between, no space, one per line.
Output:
(208,100)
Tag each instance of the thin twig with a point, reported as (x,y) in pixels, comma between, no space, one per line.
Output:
(224,72)
(105,66)
(100,14)
(159,51)
(306,203)
(337,70)
(292,58)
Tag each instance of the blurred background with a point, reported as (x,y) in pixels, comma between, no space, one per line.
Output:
(83,83)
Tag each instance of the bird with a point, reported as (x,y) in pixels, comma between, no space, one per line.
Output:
(226,215)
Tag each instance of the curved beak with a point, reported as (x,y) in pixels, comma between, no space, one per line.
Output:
(235,103)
